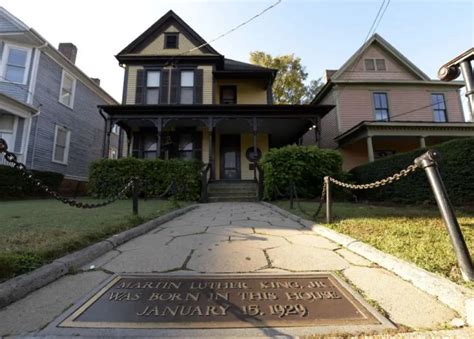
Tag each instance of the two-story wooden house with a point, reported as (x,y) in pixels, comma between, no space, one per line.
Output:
(48,106)
(183,99)
(384,105)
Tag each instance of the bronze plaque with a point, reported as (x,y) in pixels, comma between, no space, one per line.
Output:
(156,301)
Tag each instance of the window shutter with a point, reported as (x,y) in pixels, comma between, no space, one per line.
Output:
(139,89)
(174,86)
(198,86)
(164,86)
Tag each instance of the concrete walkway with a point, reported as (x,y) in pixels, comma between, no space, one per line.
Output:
(231,238)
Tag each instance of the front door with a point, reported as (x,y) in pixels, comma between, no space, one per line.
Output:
(230,156)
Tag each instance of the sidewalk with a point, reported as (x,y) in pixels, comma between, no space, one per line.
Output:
(231,238)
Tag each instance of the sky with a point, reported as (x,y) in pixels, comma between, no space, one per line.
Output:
(323,33)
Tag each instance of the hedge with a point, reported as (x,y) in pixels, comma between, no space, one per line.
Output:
(456,168)
(107,177)
(306,166)
(14,185)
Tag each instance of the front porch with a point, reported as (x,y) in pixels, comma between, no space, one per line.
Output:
(228,137)
(370,141)
(15,125)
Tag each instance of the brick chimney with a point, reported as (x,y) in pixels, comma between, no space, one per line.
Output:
(69,50)
(328,73)
(96,80)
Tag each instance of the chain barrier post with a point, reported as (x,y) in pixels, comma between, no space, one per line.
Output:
(429,162)
(291,195)
(135,196)
(328,200)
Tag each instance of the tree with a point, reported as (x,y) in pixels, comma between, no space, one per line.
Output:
(289,86)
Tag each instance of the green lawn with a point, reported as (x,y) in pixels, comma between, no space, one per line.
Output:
(413,233)
(34,232)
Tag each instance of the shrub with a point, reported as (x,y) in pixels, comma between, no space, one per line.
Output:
(107,177)
(456,168)
(15,185)
(306,166)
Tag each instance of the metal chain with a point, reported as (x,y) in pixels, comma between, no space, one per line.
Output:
(11,158)
(378,183)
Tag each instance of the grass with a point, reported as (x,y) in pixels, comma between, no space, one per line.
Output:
(35,232)
(413,233)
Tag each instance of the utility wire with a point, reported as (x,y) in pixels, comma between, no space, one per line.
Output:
(227,32)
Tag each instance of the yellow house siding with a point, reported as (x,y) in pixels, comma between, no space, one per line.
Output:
(156,46)
(248,91)
(217,157)
(132,83)
(207,84)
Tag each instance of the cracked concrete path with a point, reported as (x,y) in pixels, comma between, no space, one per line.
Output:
(231,238)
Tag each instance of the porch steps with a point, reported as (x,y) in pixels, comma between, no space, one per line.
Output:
(223,191)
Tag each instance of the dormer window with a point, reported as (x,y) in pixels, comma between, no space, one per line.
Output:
(375,65)
(171,40)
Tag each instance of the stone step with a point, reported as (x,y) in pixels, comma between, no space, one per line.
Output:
(231,194)
(231,189)
(232,199)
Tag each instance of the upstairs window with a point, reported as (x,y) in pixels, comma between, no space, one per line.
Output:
(62,137)
(171,40)
(153,87)
(16,61)
(228,95)
(375,65)
(381,106)
(187,87)
(380,64)
(68,89)
(439,107)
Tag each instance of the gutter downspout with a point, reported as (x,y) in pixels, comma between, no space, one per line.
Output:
(106,120)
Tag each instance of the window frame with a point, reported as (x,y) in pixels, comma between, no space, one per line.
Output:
(146,88)
(221,96)
(193,87)
(374,62)
(73,92)
(375,107)
(6,53)
(434,109)
(166,35)
(66,148)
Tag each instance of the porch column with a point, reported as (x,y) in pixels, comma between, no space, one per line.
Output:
(120,142)
(158,124)
(108,131)
(370,149)
(254,130)
(422,142)
(211,147)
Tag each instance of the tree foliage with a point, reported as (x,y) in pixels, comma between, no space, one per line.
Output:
(289,86)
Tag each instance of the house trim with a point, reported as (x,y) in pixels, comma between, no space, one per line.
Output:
(404,128)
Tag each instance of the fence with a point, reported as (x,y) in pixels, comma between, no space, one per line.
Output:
(133,185)
(428,162)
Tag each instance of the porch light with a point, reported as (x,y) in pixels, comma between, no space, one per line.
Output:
(314,126)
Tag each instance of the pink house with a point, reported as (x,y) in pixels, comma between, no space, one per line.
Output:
(384,105)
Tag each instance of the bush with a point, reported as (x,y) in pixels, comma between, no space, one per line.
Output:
(306,166)
(14,185)
(456,168)
(107,177)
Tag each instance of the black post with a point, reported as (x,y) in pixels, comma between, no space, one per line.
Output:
(428,162)
(328,200)
(135,197)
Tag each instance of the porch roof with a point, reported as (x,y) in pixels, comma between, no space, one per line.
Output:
(214,110)
(405,128)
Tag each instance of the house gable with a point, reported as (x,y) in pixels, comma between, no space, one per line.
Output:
(152,41)
(397,66)
(8,23)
